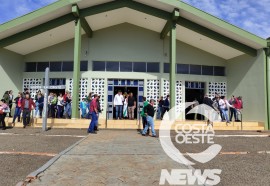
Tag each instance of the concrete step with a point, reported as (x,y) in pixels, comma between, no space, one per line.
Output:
(135,124)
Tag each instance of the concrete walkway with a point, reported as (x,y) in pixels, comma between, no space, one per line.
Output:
(110,158)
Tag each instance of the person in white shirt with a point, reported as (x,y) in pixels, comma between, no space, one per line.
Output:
(224,104)
(118,104)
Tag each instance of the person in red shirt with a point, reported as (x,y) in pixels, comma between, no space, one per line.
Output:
(26,107)
(94,112)
(238,106)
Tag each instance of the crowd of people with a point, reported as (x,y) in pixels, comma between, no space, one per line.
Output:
(227,109)
(59,106)
(125,105)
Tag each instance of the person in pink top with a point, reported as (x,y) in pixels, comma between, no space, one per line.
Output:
(238,106)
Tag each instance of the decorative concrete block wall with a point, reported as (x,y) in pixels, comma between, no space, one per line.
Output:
(217,87)
(83,84)
(98,87)
(33,85)
(153,90)
(178,93)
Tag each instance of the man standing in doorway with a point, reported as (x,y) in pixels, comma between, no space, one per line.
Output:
(118,104)
(149,112)
(131,106)
(94,111)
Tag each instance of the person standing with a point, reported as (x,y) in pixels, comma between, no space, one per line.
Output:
(143,115)
(125,110)
(40,104)
(60,106)
(215,101)
(118,104)
(160,107)
(10,102)
(166,106)
(3,108)
(233,111)
(224,104)
(94,111)
(131,106)
(50,98)
(27,105)
(99,111)
(83,107)
(149,112)
(238,106)
(67,111)
(53,105)
(18,103)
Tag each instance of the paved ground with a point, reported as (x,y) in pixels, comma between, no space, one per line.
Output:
(110,158)
(115,157)
(244,160)
(22,151)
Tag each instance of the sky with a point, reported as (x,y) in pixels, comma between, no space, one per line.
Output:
(250,15)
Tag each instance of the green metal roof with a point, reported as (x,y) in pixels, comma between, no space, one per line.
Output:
(26,19)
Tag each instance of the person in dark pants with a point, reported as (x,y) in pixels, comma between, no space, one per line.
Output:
(18,102)
(166,106)
(149,112)
(40,104)
(160,107)
(27,105)
(144,121)
(99,111)
(53,105)
(3,107)
(94,111)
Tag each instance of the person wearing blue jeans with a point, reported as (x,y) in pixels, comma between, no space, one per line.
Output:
(118,104)
(94,111)
(224,104)
(118,111)
(17,113)
(149,112)
(160,107)
(67,111)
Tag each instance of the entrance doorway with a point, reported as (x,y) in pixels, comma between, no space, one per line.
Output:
(56,82)
(125,85)
(194,90)
(57,91)
(126,90)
